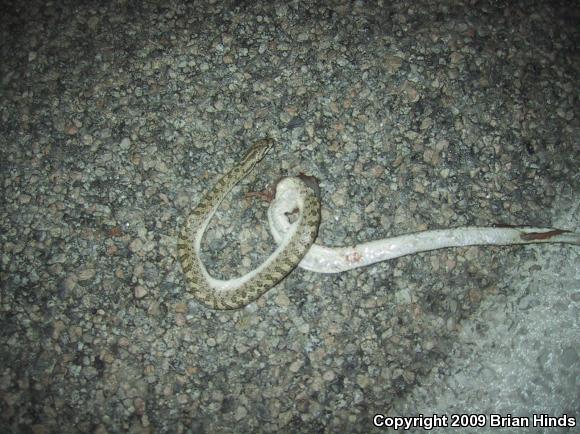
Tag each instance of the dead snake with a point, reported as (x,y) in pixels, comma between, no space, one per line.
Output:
(296,239)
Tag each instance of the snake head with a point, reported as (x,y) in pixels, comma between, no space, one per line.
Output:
(257,151)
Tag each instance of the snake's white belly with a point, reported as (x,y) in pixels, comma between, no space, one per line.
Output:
(323,259)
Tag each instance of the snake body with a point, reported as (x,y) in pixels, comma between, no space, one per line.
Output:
(238,292)
(296,239)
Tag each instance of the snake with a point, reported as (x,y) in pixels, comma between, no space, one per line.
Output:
(294,218)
